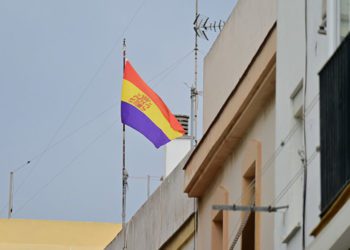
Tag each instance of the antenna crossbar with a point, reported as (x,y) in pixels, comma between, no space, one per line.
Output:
(251,208)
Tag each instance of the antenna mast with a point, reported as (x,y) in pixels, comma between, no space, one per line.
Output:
(201,25)
(194,90)
(124,172)
(194,115)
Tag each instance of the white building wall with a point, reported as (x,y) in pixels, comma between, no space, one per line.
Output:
(318,53)
(289,76)
(159,218)
(175,151)
(231,178)
(291,70)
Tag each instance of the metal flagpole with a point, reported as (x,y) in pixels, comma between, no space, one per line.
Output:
(194,114)
(124,172)
(10,208)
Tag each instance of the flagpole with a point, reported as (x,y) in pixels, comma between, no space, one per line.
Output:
(124,172)
(194,119)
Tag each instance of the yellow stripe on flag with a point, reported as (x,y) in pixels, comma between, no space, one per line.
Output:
(134,96)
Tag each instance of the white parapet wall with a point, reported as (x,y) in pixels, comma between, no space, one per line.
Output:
(175,151)
(160,218)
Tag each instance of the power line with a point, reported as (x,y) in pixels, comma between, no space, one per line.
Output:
(72,133)
(65,167)
(131,21)
(85,89)
(75,131)
(270,162)
(242,223)
(241,227)
(51,145)
(294,179)
(155,178)
(164,73)
(290,134)
(2,209)
(21,166)
(69,135)
(170,68)
(201,52)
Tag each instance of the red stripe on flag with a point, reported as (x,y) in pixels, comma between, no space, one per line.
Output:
(131,75)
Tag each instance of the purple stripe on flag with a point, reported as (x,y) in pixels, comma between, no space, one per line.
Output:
(134,118)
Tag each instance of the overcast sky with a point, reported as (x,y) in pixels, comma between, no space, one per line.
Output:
(60,82)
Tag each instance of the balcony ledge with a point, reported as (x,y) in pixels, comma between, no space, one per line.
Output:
(341,200)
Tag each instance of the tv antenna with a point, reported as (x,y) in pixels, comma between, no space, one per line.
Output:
(201,25)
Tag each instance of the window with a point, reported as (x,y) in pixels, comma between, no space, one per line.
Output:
(334,127)
(343,18)
(251,190)
(219,225)
(338,22)
(217,231)
(323,27)
(248,234)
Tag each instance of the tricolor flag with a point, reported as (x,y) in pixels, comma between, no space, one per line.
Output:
(143,110)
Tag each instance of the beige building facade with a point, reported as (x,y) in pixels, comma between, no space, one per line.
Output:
(24,234)
(232,162)
(275,134)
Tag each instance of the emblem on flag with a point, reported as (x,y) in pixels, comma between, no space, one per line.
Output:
(143,110)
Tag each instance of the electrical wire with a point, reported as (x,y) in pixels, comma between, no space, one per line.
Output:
(304,129)
(69,135)
(78,129)
(69,164)
(154,178)
(270,162)
(21,166)
(75,131)
(131,21)
(51,145)
(64,138)
(91,120)
(299,173)
(169,69)
(242,223)
(85,89)
(170,66)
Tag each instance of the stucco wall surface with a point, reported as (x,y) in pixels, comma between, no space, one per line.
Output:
(291,60)
(231,179)
(233,50)
(160,217)
(25,234)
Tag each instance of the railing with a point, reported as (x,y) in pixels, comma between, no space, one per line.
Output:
(335,125)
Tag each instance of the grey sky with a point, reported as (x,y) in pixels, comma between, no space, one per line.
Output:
(49,53)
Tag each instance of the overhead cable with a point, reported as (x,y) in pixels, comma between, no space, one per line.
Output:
(271,161)
(85,89)
(69,164)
